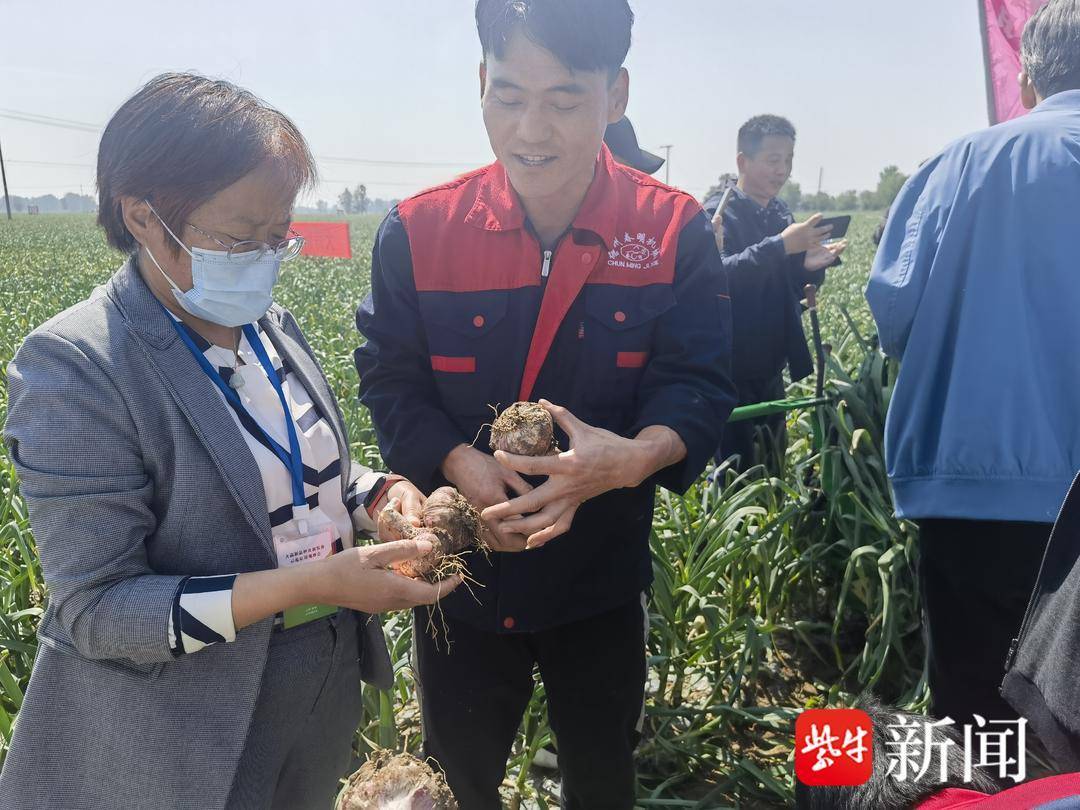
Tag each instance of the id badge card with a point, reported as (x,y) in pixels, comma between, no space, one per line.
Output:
(302,550)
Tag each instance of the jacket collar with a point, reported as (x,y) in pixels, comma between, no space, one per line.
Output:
(142,311)
(774,203)
(1065,100)
(291,346)
(201,404)
(498,208)
(195,397)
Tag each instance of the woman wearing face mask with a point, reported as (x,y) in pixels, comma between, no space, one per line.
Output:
(190,488)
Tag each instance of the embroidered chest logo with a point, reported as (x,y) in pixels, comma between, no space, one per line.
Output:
(634,252)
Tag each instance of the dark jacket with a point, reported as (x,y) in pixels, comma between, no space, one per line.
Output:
(1042,681)
(629,328)
(766,288)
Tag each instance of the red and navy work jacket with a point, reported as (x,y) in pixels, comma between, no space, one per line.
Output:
(626,323)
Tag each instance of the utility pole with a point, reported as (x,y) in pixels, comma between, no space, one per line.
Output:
(820,179)
(3,174)
(667,161)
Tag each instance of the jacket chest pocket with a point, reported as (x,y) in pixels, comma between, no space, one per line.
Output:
(463,334)
(619,331)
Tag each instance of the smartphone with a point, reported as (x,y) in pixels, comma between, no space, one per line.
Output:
(839,226)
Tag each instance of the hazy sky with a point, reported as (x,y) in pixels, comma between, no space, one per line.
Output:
(866,82)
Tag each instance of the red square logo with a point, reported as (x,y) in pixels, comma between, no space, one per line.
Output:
(833,747)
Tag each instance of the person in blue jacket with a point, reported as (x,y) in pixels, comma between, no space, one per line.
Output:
(976,289)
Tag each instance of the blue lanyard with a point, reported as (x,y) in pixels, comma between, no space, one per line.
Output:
(291,458)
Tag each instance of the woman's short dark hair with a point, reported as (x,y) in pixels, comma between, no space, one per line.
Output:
(754,132)
(183,138)
(583,34)
(1050,47)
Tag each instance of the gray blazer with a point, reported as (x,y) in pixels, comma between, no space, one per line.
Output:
(136,476)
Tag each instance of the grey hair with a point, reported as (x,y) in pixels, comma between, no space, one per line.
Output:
(1050,48)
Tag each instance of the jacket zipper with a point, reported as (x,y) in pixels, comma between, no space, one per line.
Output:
(549,256)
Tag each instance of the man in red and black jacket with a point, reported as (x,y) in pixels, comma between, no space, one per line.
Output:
(559,276)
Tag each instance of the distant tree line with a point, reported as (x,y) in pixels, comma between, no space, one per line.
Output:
(889,184)
(350,202)
(356,201)
(51,204)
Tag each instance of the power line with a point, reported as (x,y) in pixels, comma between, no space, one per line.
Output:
(91,166)
(52,163)
(51,118)
(83,126)
(327,180)
(374,183)
(48,121)
(55,164)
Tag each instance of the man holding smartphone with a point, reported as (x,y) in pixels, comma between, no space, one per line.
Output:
(769,258)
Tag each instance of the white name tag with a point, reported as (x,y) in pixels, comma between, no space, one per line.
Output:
(304,549)
(297,552)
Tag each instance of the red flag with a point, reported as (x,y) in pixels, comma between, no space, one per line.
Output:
(325,239)
(1003,24)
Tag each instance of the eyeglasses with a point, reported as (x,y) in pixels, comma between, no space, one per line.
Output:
(250,251)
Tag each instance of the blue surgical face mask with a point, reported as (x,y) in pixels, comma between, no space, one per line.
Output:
(227,290)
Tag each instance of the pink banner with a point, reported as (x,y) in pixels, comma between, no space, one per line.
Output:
(1003,25)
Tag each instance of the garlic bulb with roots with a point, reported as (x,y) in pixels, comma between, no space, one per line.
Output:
(524,429)
(389,781)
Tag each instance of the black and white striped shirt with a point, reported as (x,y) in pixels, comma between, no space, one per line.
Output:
(202,610)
